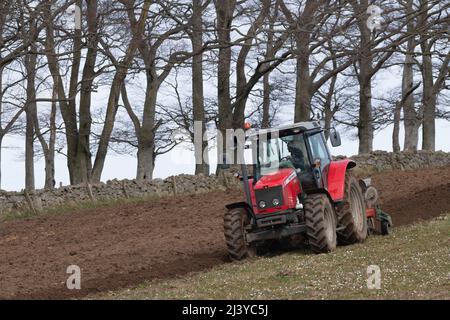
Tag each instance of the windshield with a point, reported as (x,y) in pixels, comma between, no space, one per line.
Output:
(276,153)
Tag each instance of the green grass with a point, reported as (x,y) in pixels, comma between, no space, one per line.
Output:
(414,263)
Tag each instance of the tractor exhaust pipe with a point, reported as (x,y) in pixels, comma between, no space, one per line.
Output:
(246,187)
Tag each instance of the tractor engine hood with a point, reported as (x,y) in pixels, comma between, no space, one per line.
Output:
(277,178)
(276,192)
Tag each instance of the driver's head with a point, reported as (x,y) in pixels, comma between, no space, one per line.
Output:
(294,149)
(291,145)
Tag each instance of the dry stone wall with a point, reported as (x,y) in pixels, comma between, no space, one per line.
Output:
(380,161)
(114,189)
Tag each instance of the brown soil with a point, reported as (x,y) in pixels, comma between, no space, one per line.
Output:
(412,196)
(125,245)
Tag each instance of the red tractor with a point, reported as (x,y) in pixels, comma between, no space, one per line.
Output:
(297,191)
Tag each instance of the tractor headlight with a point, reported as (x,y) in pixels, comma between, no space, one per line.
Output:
(276,202)
(262,204)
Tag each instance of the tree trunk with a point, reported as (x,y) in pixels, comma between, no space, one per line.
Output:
(48,148)
(145,158)
(396,129)
(432,82)
(224,10)
(79,171)
(429,117)
(327,119)
(365,125)
(111,111)
(303,85)
(365,129)
(411,121)
(146,136)
(68,111)
(428,101)
(200,146)
(83,146)
(30,66)
(265,123)
(242,84)
(78,150)
(116,86)
(50,152)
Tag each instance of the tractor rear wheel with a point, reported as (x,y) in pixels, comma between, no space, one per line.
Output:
(352,219)
(320,223)
(235,221)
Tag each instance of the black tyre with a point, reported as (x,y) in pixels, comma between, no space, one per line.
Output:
(235,221)
(320,223)
(352,219)
(385,228)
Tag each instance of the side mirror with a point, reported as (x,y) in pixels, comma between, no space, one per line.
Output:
(335,138)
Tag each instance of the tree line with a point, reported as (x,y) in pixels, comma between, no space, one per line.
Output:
(84,78)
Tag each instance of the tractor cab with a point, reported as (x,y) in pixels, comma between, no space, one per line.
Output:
(301,147)
(295,189)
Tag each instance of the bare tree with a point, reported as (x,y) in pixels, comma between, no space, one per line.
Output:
(434,34)
(198,107)
(316,25)
(30,111)
(375,48)
(48,147)
(412,120)
(224,17)
(13,45)
(232,109)
(407,95)
(67,101)
(9,114)
(83,151)
(272,17)
(137,27)
(157,69)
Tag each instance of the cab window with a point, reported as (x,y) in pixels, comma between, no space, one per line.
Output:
(319,149)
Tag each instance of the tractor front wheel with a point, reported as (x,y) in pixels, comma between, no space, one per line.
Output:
(320,223)
(235,222)
(352,219)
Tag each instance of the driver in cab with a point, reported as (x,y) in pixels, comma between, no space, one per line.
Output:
(296,158)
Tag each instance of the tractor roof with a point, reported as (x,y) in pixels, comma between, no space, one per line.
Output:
(285,129)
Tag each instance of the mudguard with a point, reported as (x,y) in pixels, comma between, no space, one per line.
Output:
(336,178)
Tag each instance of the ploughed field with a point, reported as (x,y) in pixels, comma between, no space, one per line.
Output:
(125,245)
